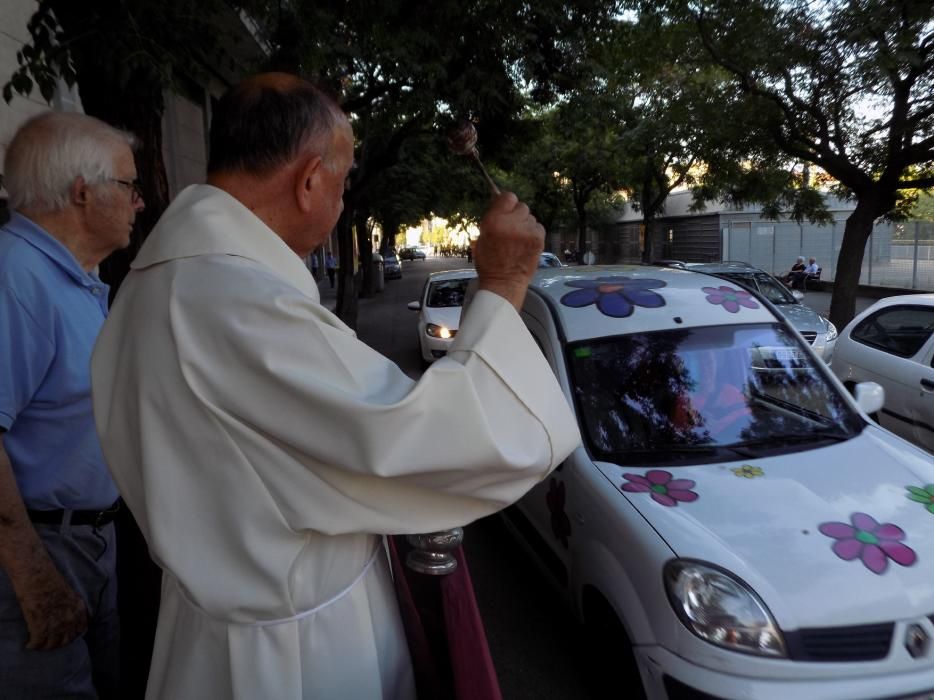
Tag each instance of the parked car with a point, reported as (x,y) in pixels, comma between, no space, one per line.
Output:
(734,525)
(439,311)
(816,329)
(412,254)
(549,260)
(392,268)
(892,343)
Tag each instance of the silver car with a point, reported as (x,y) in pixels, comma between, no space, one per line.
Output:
(817,330)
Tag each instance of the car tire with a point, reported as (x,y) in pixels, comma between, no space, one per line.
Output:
(609,652)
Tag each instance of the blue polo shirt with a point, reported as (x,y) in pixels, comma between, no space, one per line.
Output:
(51,311)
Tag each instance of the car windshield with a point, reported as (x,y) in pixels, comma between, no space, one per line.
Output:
(447,292)
(391,259)
(765,284)
(707,394)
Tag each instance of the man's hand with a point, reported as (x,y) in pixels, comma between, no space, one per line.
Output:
(506,253)
(55,614)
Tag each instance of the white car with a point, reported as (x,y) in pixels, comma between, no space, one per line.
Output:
(549,260)
(892,343)
(439,308)
(734,525)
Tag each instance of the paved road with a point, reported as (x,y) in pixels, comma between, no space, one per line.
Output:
(533,639)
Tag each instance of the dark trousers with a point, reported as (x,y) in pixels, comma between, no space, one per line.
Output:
(89,666)
(331,276)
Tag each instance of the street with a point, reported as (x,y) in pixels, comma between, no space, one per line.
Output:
(534,640)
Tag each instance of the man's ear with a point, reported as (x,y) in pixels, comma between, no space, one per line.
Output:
(307,182)
(78,192)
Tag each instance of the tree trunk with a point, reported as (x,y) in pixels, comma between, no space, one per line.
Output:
(850,261)
(346,308)
(648,252)
(581,231)
(365,246)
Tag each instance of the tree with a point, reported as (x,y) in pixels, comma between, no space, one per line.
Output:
(848,86)
(404,71)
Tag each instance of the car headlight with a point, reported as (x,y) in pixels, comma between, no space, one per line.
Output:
(831,331)
(436,331)
(721,609)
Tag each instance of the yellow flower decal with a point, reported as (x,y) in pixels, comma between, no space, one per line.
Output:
(747,471)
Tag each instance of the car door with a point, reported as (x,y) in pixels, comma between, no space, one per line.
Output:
(894,347)
(545,508)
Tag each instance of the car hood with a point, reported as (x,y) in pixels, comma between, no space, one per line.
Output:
(447,316)
(803,317)
(767,528)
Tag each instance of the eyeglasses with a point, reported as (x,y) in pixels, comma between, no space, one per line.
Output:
(136,192)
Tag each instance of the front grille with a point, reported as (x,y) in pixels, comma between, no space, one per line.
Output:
(809,336)
(858,643)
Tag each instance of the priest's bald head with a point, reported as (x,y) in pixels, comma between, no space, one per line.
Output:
(284,149)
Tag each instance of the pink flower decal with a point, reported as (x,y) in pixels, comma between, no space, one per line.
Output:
(870,542)
(663,488)
(729,298)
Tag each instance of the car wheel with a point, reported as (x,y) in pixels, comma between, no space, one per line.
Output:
(609,652)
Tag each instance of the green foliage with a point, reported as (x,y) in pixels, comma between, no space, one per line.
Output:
(923,209)
(137,47)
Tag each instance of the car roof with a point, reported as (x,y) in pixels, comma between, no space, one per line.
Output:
(684,301)
(724,266)
(898,299)
(465,273)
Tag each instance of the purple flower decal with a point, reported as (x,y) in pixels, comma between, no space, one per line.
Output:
(869,541)
(560,524)
(729,298)
(615,296)
(663,488)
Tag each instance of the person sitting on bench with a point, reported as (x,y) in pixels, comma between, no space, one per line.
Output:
(812,271)
(797,267)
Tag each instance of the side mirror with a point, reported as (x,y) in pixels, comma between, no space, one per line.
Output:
(870,397)
(417,305)
(799,295)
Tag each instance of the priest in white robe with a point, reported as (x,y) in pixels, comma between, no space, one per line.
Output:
(265,451)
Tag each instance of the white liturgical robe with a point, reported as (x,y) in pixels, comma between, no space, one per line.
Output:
(264,451)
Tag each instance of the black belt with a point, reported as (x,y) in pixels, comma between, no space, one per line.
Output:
(97,518)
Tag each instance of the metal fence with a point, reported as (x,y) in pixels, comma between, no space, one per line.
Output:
(897,255)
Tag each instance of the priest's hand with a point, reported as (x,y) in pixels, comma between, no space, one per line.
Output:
(506,253)
(55,615)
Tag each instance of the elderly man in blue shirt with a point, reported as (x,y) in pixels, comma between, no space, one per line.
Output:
(72,188)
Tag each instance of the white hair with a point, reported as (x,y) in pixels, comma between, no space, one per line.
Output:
(51,150)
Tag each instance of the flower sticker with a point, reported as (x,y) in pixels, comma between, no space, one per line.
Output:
(747,471)
(615,296)
(922,495)
(729,298)
(664,489)
(873,543)
(560,524)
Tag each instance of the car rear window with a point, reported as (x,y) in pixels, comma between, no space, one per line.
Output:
(689,395)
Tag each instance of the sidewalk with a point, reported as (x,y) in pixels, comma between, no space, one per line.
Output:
(820,302)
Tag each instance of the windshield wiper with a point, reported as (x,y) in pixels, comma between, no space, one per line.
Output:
(661,451)
(816,435)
